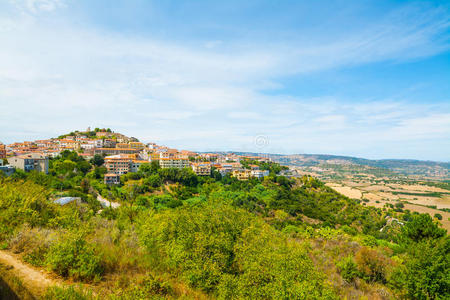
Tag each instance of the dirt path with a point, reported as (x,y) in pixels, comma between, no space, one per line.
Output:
(32,278)
(107,203)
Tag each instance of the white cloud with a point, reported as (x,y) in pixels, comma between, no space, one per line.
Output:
(60,77)
(37,6)
(247,115)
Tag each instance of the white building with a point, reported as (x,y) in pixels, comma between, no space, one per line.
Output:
(260,173)
(178,163)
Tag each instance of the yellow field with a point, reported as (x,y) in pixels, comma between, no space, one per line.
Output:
(379,194)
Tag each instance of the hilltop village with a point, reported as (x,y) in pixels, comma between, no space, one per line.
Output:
(121,155)
(130,220)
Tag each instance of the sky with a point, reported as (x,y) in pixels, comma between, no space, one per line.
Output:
(361,78)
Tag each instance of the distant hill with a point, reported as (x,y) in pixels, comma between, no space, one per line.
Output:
(432,169)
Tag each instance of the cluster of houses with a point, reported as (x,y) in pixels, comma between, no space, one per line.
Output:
(123,155)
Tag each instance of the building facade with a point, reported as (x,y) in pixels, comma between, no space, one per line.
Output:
(2,151)
(29,162)
(202,169)
(115,151)
(260,173)
(118,164)
(178,163)
(242,174)
(112,179)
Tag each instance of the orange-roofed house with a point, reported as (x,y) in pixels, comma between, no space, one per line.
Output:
(111,178)
(2,151)
(137,145)
(242,174)
(202,169)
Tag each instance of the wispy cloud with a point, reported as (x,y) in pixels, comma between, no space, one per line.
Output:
(57,76)
(37,6)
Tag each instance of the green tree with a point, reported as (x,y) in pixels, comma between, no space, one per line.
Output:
(427,270)
(83,166)
(421,227)
(64,167)
(153,180)
(438,216)
(97,160)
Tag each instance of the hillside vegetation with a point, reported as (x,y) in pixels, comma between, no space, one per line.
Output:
(178,235)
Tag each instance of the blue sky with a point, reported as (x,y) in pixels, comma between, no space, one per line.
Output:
(361,78)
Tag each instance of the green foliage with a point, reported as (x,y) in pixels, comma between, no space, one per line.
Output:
(230,252)
(421,227)
(66,293)
(349,230)
(150,288)
(184,176)
(438,216)
(97,160)
(427,270)
(399,205)
(165,201)
(73,256)
(371,264)
(231,239)
(23,202)
(348,268)
(272,267)
(153,181)
(148,169)
(272,167)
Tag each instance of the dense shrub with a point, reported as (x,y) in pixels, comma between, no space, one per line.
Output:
(421,227)
(149,288)
(271,267)
(371,264)
(73,256)
(23,202)
(165,201)
(348,268)
(231,253)
(427,270)
(66,293)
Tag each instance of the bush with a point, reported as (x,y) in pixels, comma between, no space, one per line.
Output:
(421,227)
(23,202)
(371,264)
(200,242)
(349,230)
(73,256)
(427,270)
(153,181)
(229,252)
(438,216)
(271,267)
(66,293)
(399,205)
(149,288)
(348,269)
(165,201)
(33,243)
